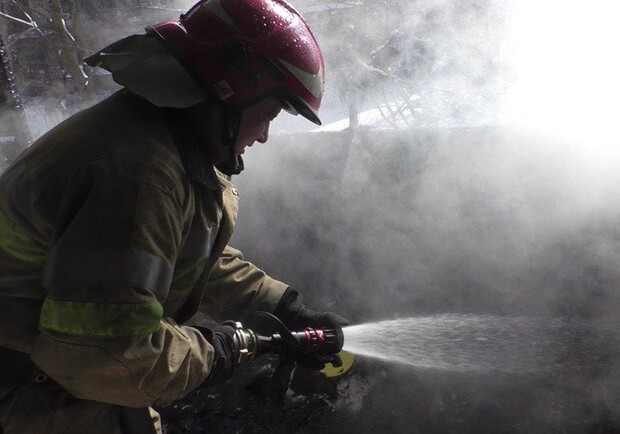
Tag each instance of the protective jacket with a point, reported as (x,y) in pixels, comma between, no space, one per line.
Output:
(113,233)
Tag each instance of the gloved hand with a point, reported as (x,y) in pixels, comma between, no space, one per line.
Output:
(296,316)
(222,339)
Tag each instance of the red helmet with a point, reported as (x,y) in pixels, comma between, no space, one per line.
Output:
(243,51)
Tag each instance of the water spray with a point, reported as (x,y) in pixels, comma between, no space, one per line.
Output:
(485,343)
(445,342)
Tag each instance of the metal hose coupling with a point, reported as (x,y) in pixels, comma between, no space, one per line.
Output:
(246,344)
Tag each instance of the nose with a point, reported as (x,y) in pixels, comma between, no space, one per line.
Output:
(265,135)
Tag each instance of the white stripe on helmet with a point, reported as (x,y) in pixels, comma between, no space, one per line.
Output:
(312,82)
(216,9)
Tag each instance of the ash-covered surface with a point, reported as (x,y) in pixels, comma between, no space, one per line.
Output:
(377,397)
(244,404)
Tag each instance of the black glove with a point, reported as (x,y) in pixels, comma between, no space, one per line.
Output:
(295,316)
(222,339)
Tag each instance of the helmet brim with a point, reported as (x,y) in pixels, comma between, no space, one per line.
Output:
(295,106)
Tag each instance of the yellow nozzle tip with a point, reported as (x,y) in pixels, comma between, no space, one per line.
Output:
(331,371)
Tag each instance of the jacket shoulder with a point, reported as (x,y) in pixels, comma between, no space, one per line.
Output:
(123,130)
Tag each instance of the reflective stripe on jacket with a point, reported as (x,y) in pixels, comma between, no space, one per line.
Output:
(107,245)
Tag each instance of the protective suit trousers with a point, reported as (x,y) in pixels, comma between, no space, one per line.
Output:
(42,407)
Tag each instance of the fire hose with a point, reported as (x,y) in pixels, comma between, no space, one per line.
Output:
(268,335)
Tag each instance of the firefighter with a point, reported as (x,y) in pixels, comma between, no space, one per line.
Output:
(114,226)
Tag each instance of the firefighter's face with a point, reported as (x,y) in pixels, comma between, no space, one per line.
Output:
(255,121)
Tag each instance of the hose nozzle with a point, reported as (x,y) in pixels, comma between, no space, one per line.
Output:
(319,341)
(279,340)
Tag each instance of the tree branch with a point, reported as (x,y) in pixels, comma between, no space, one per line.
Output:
(31,24)
(68,48)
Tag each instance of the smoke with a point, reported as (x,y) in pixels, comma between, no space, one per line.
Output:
(398,223)
(505,204)
(565,75)
(511,209)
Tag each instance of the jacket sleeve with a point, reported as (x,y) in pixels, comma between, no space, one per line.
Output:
(103,335)
(236,287)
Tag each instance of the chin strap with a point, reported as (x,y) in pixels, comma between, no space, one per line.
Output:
(232,119)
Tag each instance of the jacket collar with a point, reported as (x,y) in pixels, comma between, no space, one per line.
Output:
(194,160)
